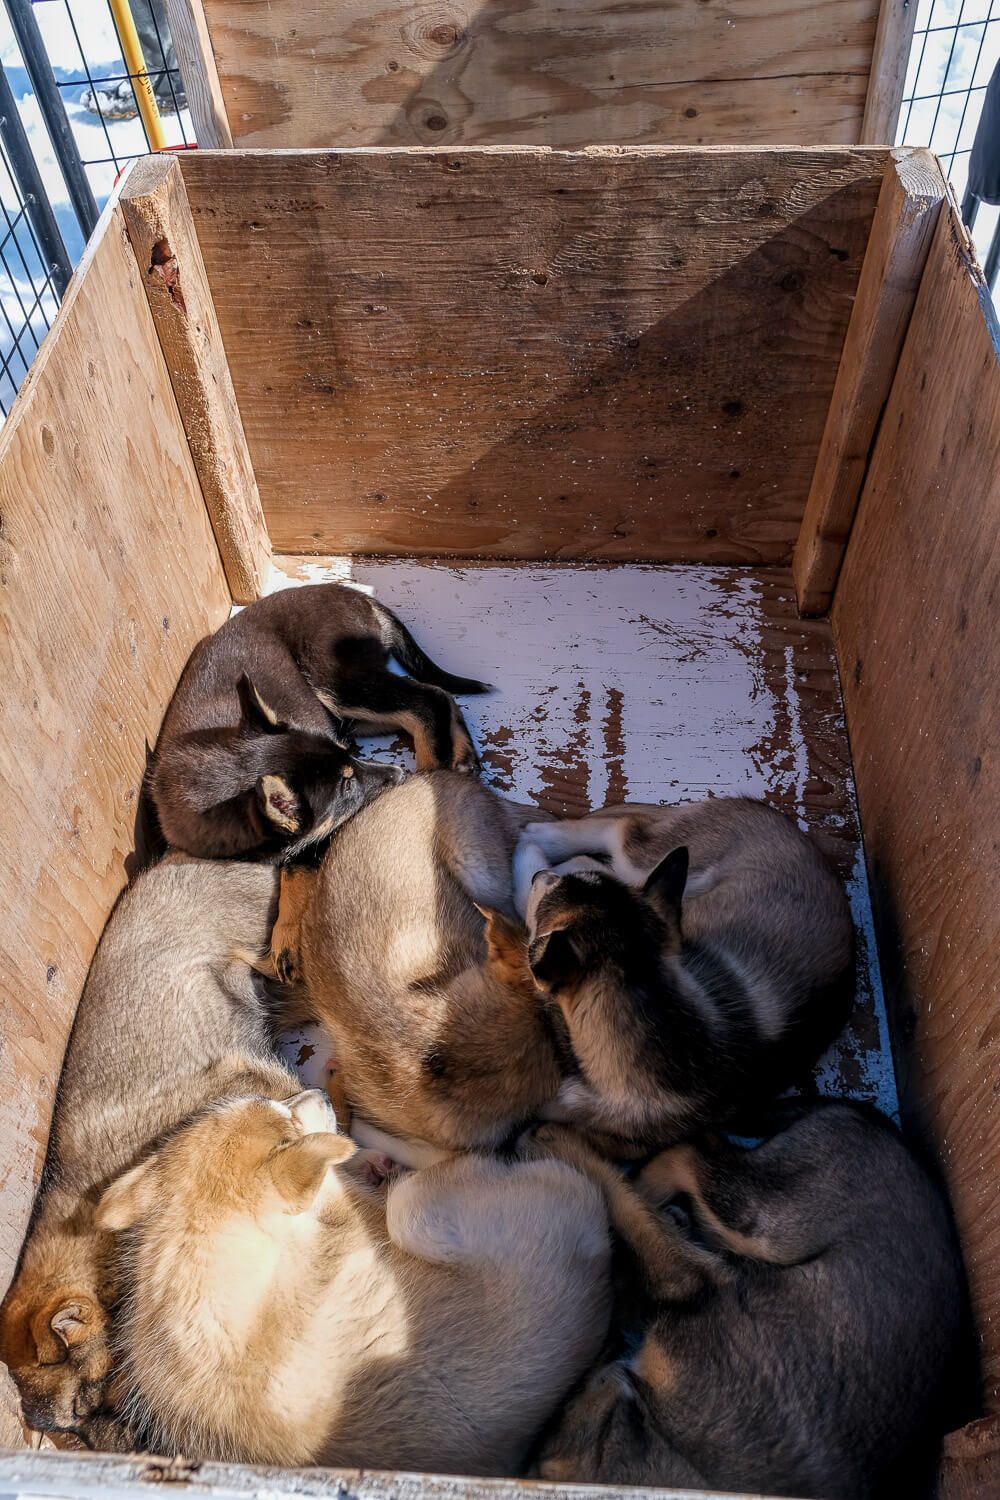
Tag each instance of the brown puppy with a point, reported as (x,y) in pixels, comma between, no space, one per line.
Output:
(430,1038)
(804,1320)
(442,1032)
(289,1305)
(253,758)
(167,1022)
(703,969)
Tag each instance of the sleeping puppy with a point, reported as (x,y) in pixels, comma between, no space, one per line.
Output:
(253,759)
(166,1024)
(295,1301)
(452,1031)
(703,968)
(804,1321)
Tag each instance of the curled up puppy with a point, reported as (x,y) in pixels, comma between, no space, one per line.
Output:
(254,760)
(294,1301)
(167,1023)
(701,958)
(801,1325)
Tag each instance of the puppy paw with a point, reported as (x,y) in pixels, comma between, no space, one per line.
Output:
(550,839)
(528,862)
(373,1168)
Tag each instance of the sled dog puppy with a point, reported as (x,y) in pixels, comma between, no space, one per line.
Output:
(167,1022)
(253,758)
(804,1321)
(294,1301)
(702,969)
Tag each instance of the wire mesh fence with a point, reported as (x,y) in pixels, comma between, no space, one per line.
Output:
(33,273)
(956,46)
(73,101)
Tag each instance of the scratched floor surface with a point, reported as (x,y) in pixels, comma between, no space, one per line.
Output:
(648,684)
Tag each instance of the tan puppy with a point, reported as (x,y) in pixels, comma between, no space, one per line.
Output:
(638,1013)
(290,1306)
(797,1318)
(430,1038)
(167,1022)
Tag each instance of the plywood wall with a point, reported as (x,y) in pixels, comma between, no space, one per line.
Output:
(917,624)
(109,574)
(524,353)
(541,72)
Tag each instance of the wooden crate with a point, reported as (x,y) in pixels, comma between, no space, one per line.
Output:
(542,72)
(596,422)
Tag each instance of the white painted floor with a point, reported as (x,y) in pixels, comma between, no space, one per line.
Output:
(646,684)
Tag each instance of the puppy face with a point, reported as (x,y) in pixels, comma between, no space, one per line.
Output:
(266,786)
(586,923)
(54,1342)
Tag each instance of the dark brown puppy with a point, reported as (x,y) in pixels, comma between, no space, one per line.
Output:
(804,1321)
(253,758)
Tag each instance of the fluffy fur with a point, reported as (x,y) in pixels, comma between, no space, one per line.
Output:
(802,1326)
(431,1039)
(703,968)
(637,1012)
(167,1022)
(253,756)
(291,1305)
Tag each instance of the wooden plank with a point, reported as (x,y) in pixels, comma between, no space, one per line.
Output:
(918,639)
(193,45)
(890,59)
(907,213)
(109,574)
(647,684)
(539,72)
(522,353)
(154,202)
(64,1475)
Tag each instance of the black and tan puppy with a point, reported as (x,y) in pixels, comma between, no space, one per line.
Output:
(702,970)
(253,757)
(804,1319)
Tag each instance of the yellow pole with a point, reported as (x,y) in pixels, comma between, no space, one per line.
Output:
(135,64)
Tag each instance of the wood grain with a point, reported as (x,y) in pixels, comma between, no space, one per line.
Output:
(189,30)
(903,227)
(109,574)
(918,638)
(154,203)
(523,353)
(539,72)
(890,59)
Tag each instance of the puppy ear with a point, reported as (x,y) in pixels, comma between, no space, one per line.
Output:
(556,958)
(506,946)
(129,1199)
(64,1320)
(255,713)
(299,1170)
(279,804)
(666,884)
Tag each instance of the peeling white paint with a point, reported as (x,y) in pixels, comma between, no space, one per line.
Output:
(625,683)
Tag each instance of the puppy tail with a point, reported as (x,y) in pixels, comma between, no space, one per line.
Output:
(416,661)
